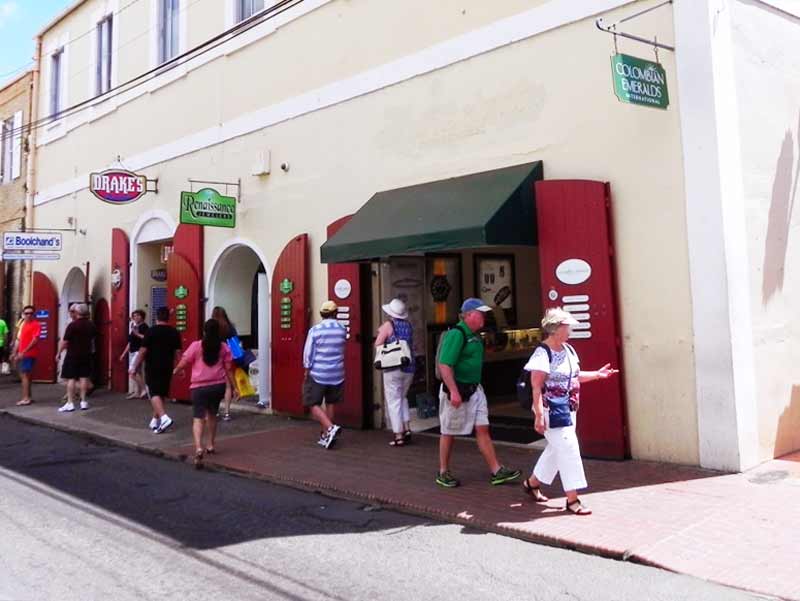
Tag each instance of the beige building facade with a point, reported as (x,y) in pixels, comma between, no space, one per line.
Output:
(304,111)
(15,110)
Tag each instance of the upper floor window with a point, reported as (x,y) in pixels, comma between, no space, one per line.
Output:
(247,8)
(10,148)
(168,27)
(104,39)
(56,80)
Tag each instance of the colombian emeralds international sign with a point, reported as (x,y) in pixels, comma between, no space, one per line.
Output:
(208,207)
(637,81)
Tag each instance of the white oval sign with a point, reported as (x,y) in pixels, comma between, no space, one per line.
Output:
(573,271)
(342,289)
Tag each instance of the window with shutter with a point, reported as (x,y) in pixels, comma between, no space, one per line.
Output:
(247,8)
(56,80)
(103,60)
(168,26)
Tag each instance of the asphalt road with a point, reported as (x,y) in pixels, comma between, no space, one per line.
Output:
(82,521)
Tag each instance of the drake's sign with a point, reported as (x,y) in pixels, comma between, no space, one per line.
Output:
(117,186)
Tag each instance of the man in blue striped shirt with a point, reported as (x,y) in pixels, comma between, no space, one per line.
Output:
(323,359)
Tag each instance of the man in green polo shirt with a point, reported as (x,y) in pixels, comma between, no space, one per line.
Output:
(462,402)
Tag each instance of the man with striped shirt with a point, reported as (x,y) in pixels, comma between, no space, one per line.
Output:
(323,359)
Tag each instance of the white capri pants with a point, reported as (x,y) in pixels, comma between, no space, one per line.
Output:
(562,455)
(396,384)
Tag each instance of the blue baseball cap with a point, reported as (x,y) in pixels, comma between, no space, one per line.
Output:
(474,304)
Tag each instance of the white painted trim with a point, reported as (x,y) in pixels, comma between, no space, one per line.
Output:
(265,353)
(552,15)
(717,236)
(144,218)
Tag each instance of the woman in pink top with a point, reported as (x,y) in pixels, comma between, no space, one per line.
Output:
(211,363)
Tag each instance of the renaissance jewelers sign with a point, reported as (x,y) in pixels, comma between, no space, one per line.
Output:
(637,81)
(117,186)
(208,207)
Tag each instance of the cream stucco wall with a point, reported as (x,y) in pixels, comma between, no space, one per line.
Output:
(768,90)
(545,98)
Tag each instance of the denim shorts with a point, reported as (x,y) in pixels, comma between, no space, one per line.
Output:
(25,365)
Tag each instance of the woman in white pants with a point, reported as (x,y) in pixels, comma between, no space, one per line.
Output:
(397,382)
(556,378)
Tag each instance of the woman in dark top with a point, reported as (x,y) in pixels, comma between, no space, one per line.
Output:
(138,329)
(226,331)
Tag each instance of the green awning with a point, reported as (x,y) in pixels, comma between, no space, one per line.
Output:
(482,209)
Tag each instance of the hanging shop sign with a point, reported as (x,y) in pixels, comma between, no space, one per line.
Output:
(208,207)
(638,81)
(117,186)
(32,241)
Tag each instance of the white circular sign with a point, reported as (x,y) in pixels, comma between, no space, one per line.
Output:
(552,295)
(342,289)
(573,271)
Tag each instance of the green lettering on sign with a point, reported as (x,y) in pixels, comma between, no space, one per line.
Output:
(637,81)
(208,207)
(181,292)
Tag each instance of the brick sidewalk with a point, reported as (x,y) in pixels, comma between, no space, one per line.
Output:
(734,529)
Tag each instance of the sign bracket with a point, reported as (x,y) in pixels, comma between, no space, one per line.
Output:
(237,184)
(612,30)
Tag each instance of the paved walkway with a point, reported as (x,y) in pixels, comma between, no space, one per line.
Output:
(734,529)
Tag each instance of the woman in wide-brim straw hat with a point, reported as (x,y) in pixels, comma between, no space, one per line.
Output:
(396,383)
(556,378)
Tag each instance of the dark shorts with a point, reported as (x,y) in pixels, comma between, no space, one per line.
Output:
(76,367)
(158,381)
(3,354)
(314,393)
(206,399)
(25,366)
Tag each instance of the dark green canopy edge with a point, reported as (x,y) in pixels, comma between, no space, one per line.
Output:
(482,209)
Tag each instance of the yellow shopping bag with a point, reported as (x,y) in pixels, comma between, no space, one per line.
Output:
(243,384)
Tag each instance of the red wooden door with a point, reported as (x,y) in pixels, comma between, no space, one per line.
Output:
(102,321)
(184,299)
(120,314)
(575,256)
(45,299)
(344,288)
(188,242)
(290,322)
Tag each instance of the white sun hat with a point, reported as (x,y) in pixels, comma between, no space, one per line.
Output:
(396,308)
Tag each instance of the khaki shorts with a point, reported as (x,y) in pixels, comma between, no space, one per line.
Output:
(462,421)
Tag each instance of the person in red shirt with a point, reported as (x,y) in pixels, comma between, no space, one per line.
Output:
(26,351)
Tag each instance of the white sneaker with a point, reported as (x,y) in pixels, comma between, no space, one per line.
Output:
(166,422)
(154,423)
(84,405)
(330,437)
(66,407)
(323,441)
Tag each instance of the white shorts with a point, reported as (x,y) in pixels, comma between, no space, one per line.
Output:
(132,360)
(462,421)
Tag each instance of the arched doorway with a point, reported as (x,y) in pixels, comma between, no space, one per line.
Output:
(239,281)
(73,291)
(150,244)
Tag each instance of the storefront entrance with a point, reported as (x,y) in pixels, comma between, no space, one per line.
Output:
(239,283)
(521,245)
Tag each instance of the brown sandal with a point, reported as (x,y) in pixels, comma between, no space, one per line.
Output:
(198,459)
(534,492)
(577,508)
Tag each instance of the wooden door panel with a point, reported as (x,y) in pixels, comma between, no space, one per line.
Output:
(120,314)
(348,277)
(290,322)
(577,272)
(45,299)
(184,299)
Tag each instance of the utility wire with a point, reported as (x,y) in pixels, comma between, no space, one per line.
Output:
(227,35)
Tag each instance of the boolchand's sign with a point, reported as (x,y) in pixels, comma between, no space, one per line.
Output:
(117,186)
(208,207)
(637,81)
